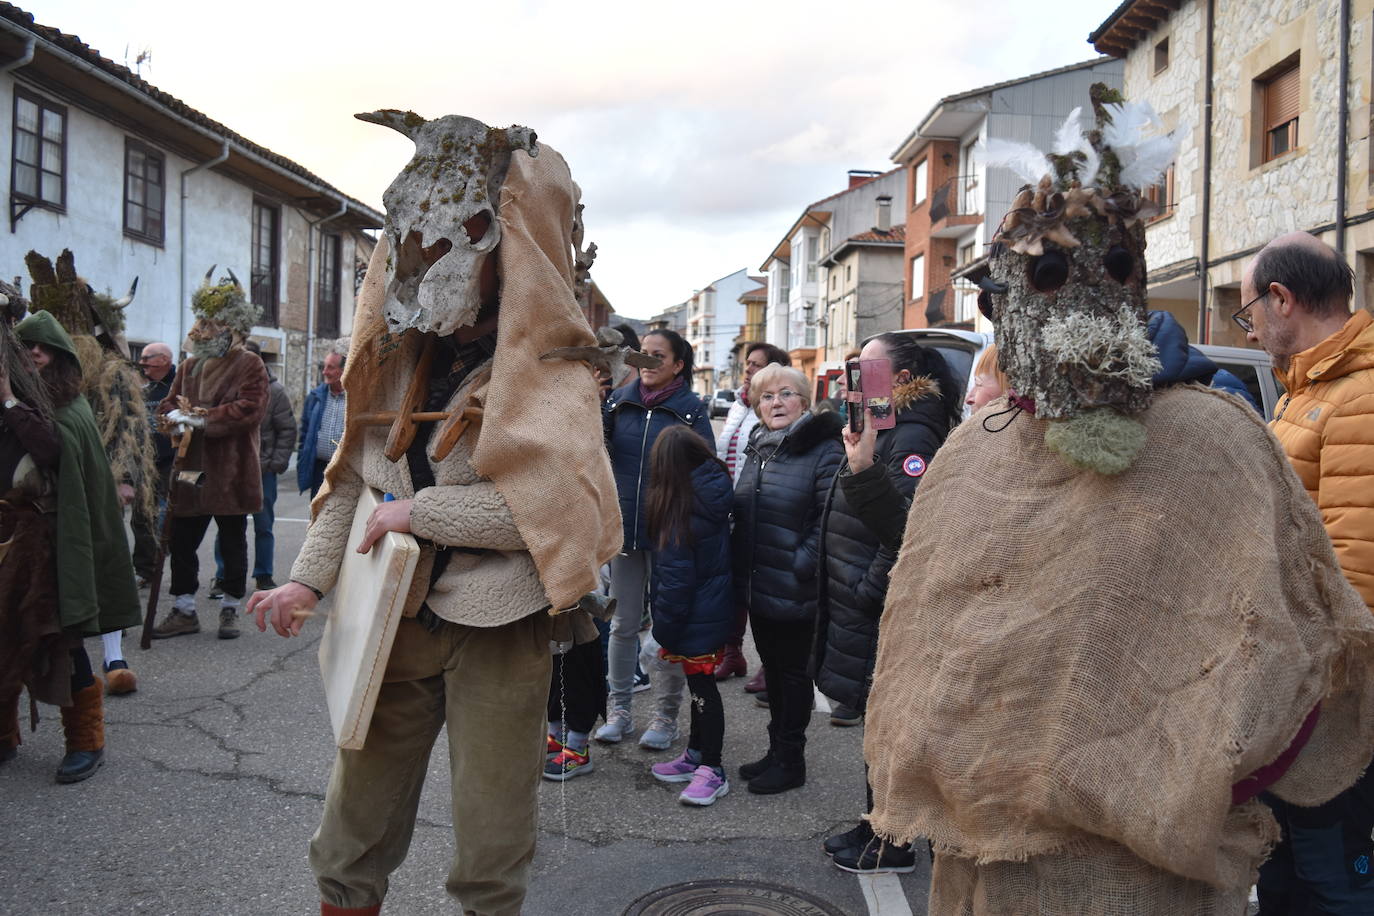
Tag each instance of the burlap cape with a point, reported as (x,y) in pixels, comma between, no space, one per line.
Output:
(539,439)
(1069,660)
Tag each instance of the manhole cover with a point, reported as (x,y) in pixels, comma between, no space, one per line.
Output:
(729,898)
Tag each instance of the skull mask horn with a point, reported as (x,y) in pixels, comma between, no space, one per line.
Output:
(441,216)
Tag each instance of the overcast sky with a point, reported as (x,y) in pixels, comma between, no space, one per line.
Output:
(697,131)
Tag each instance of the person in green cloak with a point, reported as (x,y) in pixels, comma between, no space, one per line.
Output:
(95,588)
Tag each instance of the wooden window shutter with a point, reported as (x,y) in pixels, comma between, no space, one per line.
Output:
(1281,98)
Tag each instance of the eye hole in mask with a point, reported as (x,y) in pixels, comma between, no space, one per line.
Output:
(1119,263)
(1049,271)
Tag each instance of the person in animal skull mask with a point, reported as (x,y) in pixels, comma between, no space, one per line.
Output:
(217,400)
(1078,699)
(471,285)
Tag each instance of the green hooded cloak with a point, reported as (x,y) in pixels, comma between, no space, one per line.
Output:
(95,575)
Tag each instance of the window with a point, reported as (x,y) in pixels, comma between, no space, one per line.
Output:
(813,245)
(849,273)
(327,288)
(265,262)
(918,184)
(38,166)
(918,276)
(1162,55)
(144,192)
(1162,195)
(1280,92)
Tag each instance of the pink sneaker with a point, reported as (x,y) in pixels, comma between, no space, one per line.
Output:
(677,770)
(707,786)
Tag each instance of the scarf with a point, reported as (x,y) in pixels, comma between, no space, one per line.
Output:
(654,398)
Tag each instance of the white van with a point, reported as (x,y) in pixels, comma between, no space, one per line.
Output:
(961,349)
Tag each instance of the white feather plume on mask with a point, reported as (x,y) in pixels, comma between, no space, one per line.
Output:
(1143,160)
(1029,163)
(1150,161)
(1128,123)
(1069,139)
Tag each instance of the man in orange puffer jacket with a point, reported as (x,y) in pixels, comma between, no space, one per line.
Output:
(1297,296)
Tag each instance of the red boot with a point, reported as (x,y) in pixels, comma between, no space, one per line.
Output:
(732,664)
(329,909)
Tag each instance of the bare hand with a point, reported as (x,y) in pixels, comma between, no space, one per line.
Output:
(389,516)
(860,446)
(126,494)
(288,607)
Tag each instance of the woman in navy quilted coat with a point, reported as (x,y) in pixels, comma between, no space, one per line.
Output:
(634,416)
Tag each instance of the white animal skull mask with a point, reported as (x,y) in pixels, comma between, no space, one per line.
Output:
(441,217)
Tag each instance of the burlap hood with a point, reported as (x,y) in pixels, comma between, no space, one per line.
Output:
(539,439)
(1068,658)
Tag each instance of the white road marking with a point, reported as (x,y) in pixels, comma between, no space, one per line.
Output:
(884,895)
(303,521)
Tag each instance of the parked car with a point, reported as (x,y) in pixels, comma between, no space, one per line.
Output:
(1253,367)
(721,401)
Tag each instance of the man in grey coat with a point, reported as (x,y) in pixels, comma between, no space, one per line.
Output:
(277,440)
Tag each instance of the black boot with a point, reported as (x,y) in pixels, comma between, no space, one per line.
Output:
(779,778)
(750,770)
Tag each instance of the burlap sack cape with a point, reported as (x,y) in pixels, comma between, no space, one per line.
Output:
(539,439)
(1069,660)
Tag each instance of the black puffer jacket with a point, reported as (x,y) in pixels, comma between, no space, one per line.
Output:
(778,503)
(854,565)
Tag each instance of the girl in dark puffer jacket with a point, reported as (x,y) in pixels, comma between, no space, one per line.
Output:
(690,595)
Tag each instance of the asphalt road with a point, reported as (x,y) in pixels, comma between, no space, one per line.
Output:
(216,768)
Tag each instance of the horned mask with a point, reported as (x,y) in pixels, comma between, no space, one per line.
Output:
(1067,285)
(224,316)
(75,304)
(441,217)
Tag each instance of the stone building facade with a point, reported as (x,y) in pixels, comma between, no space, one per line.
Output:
(1258,182)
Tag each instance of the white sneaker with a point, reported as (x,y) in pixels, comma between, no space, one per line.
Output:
(660,734)
(618,726)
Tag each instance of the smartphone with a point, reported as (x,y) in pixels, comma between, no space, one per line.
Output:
(876,378)
(854,395)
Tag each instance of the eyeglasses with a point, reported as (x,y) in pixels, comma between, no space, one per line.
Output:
(786,394)
(1241,319)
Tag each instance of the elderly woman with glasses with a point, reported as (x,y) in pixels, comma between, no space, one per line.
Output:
(791,460)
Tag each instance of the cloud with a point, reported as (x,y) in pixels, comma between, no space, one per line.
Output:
(698,132)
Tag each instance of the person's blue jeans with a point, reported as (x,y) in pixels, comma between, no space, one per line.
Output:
(1323,862)
(264,542)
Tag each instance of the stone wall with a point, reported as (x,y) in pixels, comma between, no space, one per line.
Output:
(1176,93)
(1254,201)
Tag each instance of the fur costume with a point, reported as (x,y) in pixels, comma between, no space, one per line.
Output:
(1081,667)
(112,385)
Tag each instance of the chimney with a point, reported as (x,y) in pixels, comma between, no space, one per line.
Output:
(884,213)
(861,176)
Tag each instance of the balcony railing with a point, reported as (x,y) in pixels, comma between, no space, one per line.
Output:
(961,195)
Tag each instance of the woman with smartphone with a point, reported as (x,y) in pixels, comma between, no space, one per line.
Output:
(887,453)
